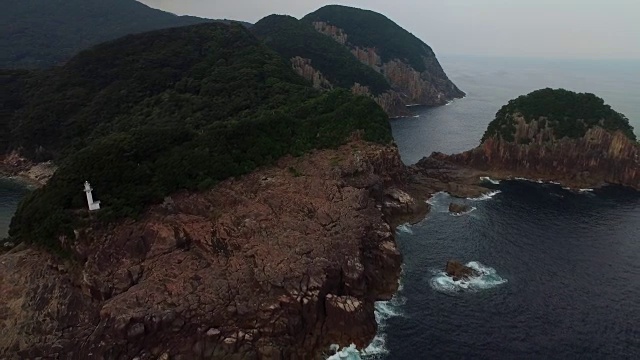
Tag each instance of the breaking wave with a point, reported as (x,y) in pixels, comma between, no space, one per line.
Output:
(377,349)
(404,228)
(486,196)
(489,180)
(487,278)
(464,212)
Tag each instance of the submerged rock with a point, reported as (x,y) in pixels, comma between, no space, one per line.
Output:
(457,208)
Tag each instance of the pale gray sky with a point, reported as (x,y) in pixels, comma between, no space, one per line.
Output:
(600,29)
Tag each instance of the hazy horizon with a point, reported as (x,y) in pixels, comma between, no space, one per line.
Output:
(561,29)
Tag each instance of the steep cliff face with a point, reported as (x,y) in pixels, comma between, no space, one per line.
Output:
(363,51)
(407,63)
(277,264)
(597,158)
(423,88)
(304,68)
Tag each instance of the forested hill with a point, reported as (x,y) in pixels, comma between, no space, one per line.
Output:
(42,33)
(407,63)
(149,114)
(296,38)
(565,113)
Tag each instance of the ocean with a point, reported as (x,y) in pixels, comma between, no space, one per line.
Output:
(560,270)
(11,192)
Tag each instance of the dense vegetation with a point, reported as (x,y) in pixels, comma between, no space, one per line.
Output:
(41,33)
(291,37)
(569,114)
(146,115)
(369,29)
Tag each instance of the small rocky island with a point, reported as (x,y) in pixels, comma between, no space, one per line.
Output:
(555,135)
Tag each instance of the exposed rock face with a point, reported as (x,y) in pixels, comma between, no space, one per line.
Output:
(431,87)
(13,164)
(458,271)
(336,33)
(304,68)
(277,264)
(599,157)
(458,208)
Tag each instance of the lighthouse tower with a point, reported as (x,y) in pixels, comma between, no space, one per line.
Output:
(93,205)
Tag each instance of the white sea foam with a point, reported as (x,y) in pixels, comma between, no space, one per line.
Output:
(487,278)
(416,116)
(377,349)
(347,353)
(585,190)
(486,196)
(404,228)
(489,180)
(464,212)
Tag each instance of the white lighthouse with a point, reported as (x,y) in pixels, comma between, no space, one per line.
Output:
(92,205)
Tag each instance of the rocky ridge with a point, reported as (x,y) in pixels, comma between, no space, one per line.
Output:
(277,264)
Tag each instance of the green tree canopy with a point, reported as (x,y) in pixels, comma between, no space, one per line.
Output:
(146,115)
(568,113)
(291,37)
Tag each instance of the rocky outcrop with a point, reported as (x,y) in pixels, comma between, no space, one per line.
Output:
(278,264)
(457,208)
(15,165)
(458,271)
(599,157)
(335,32)
(304,68)
(431,87)
(391,101)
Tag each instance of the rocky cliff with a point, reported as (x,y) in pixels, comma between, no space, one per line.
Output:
(363,51)
(598,158)
(407,63)
(277,264)
(594,148)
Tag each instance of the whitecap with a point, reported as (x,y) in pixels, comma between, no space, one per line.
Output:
(416,116)
(487,278)
(486,196)
(404,228)
(585,190)
(347,353)
(439,202)
(464,212)
(489,180)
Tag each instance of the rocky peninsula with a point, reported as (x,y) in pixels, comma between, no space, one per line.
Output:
(277,264)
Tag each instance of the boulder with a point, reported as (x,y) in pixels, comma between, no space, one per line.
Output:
(458,271)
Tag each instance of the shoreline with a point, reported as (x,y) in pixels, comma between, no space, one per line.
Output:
(16,168)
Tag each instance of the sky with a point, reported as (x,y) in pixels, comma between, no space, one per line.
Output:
(570,29)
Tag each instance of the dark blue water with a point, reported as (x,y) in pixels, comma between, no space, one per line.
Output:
(11,192)
(569,266)
(561,269)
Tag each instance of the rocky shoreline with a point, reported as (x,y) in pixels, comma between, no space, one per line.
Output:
(21,169)
(277,264)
